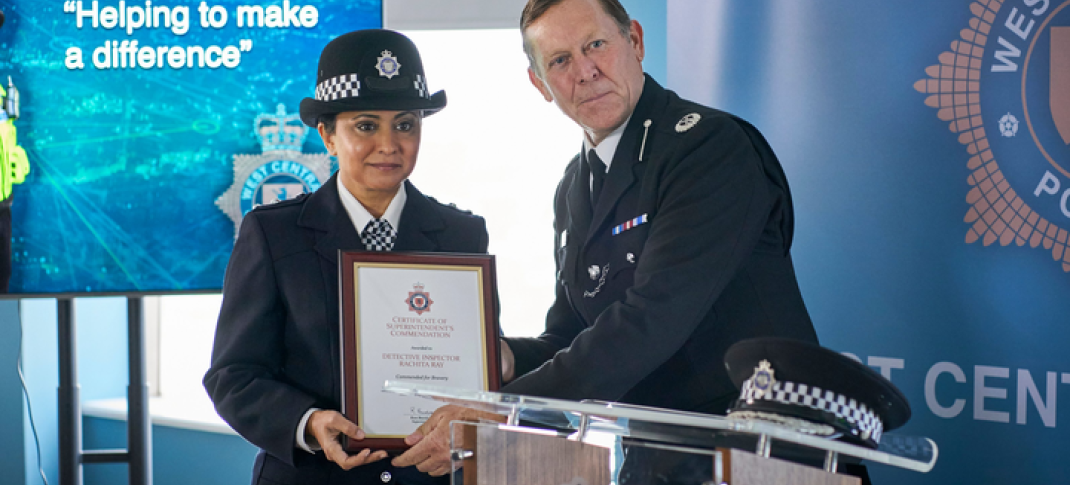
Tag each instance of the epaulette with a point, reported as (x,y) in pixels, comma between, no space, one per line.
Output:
(278,204)
(451,205)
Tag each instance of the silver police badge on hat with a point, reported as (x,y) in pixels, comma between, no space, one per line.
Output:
(762,380)
(388,65)
(687,122)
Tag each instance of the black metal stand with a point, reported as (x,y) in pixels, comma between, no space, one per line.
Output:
(70,408)
(138,423)
(138,426)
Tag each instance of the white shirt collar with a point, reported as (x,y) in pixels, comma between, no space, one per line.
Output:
(608,148)
(360,216)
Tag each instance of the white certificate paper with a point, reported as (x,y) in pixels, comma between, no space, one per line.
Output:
(421,324)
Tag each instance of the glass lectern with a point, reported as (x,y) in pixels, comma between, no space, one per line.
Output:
(558,442)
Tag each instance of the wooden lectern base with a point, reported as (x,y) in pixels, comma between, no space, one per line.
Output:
(743,468)
(510,457)
(515,456)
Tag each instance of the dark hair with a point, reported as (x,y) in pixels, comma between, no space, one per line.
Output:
(537,8)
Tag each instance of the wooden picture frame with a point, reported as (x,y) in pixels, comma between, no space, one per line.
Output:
(466,287)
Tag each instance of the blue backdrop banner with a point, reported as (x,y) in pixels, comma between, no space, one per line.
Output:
(928,148)
(151,127)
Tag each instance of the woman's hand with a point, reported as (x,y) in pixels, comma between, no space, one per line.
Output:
(326,426)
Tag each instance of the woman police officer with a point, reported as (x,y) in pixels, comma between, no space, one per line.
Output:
(275,375)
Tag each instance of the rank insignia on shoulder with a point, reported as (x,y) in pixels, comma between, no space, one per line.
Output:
(638,221)
(687,122)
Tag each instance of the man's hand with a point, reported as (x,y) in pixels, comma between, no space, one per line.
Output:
(430,442)
(508,362)
(326,426)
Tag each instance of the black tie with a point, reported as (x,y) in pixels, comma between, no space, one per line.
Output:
(598,175)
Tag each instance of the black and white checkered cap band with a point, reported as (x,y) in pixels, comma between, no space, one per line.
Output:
(338,87)
(421,87)
(865,422)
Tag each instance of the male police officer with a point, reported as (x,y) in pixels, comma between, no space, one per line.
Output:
(673,229)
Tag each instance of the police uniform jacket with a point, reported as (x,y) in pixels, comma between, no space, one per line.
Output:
(644,316)
(276,345)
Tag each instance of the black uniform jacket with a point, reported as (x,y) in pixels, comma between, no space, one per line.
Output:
(276,344)
(645,316)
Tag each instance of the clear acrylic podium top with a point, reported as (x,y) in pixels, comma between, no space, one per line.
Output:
(670,427)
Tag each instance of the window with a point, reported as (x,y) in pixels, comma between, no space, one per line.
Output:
(497,149)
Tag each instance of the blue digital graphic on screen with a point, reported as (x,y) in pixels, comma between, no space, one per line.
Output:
(138,119)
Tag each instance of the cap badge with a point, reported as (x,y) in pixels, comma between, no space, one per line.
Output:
(388,65)
(763,380)
(687,122)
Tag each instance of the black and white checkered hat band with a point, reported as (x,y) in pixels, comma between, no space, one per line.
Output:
(421,87)
(338,87)
(864,422)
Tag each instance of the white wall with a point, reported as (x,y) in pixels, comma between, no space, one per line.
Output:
(451,14)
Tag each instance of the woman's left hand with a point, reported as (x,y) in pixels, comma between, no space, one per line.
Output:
(326,426)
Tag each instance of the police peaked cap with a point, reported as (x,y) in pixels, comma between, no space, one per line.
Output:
(370,69)
(797,379)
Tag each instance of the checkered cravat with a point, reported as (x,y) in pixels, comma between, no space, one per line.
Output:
(378,235)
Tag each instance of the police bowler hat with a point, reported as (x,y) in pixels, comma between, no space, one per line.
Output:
(813,389)
(370,69)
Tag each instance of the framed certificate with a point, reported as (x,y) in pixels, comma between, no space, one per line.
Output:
(421,317)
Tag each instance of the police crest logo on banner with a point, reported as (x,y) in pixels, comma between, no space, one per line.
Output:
(280,172)
(1004,87)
